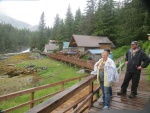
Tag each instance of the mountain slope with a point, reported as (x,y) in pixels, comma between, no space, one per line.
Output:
(16,23)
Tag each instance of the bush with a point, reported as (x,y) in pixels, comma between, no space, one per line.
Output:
(148,72)
(145,45)
(117,53)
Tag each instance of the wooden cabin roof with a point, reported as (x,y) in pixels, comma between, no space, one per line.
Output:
(88,41)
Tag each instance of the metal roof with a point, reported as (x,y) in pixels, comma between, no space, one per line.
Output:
(96,51)
(51,46)
(66,44)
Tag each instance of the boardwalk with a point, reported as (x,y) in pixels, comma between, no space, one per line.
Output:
(74,99)
(119,104)
(123,102)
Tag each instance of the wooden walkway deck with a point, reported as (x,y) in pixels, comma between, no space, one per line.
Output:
(119,104)
(123,102)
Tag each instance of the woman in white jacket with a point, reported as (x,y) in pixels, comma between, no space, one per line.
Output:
(106,75)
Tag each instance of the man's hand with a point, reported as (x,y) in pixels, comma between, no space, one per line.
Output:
(126,62)
(139,67)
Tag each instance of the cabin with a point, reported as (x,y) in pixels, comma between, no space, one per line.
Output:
(51,46)
(94,54)
(84,42)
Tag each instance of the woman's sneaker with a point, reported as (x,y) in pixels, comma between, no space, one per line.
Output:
(106,108)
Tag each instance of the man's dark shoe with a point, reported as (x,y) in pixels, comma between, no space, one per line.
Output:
(121,93)
(131,95)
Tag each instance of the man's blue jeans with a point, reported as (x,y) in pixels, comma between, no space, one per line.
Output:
(106,93)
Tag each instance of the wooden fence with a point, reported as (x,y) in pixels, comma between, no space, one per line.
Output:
(32,91)
(89,64)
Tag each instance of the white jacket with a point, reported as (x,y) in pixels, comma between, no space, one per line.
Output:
(110,69)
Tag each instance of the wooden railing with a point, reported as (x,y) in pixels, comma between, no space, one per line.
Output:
(86,64)
(32,91)
(57,100)
(89,64)
(121,63)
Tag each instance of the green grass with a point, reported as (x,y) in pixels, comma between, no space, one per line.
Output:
(117,53)
(148,72)
(54,72)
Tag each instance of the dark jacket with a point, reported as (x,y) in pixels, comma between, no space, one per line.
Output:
(136,60)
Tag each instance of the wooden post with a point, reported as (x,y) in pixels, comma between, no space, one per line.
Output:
(63,86)
(91,91)
(32,98)
(120,66)
(79,79)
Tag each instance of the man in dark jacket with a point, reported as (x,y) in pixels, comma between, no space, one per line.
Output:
(136,59)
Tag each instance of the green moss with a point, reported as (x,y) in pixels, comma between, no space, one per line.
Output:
(148,72)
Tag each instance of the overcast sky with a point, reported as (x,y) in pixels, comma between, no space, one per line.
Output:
(30,11)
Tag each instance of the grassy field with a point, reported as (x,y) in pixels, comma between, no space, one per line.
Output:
(54,71)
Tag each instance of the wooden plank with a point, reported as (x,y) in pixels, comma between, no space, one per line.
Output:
(124,106)
(72,105)
(98,105)
(94,110)
(129,102)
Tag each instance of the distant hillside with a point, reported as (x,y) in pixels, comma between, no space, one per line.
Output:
(16,23)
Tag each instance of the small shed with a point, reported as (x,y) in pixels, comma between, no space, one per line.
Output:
(66,47)
(94,54)
(49,48)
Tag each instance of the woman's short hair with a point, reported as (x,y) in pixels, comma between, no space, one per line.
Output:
(105,53)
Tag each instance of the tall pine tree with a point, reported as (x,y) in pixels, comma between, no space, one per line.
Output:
(69,22)
(42,37)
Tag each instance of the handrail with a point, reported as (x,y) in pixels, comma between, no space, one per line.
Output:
(32,92)
(57,100)
(77,109)
(83,63)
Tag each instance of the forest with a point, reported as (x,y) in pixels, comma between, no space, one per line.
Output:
(122,22)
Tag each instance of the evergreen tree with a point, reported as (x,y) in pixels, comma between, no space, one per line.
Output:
(105,19)
(69,22)
(89,17)
(61,34)
(42,37)
(55,34)
(78,22)
(134,23)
